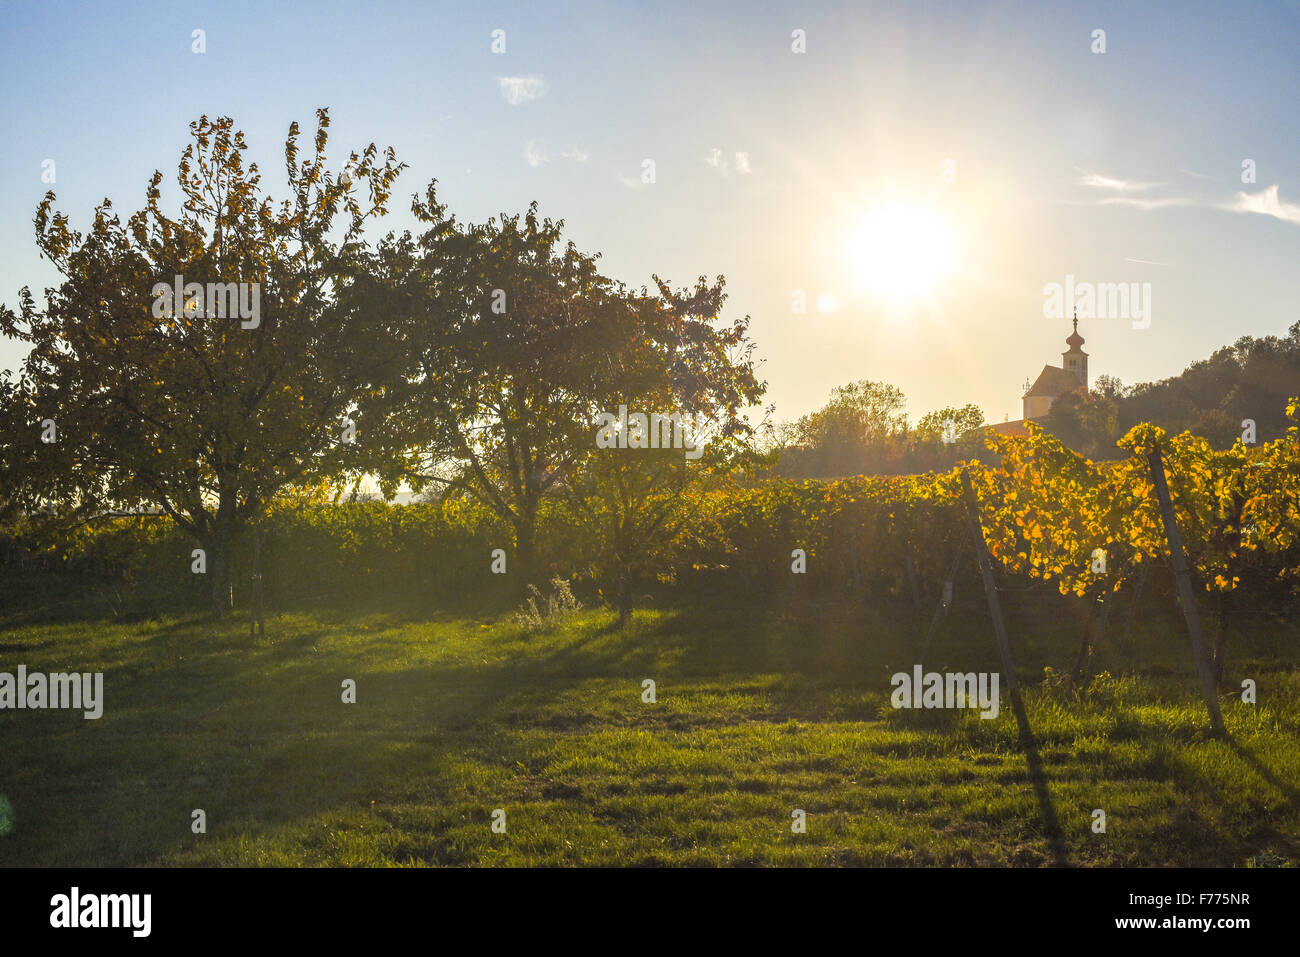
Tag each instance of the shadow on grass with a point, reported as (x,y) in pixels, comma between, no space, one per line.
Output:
(1287,789)
(1211,842)
(1051,823)
(253,730)
(199,714)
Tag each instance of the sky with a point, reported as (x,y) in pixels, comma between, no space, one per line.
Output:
(919,174)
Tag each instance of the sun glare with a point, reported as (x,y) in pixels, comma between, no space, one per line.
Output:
(901,252)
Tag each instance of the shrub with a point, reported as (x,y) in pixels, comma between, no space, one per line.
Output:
(542,612)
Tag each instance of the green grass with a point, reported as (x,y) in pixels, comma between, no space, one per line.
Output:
(757,715)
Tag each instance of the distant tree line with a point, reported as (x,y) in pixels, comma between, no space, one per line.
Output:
(864,430)
(1251,379)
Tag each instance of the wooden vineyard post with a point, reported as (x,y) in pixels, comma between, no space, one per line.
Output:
(909,568)
(990,586)
(944,603)
(1133,604)
(1186,594)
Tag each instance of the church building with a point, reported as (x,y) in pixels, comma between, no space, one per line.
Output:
(1052,383)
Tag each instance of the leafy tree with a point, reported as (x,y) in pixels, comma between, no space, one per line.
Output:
(200,408)
(500,332)
(11,425)
(864,430)
(965,419)
(1087,422)
(511,343)
(1251,379)
(636,500)
(849,435)
(1110,387)
(932,446)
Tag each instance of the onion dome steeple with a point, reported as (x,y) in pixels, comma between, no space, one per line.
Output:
(1076,360)
(1075,341)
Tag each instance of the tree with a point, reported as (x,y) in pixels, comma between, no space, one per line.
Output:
(944,436)
(864,430)
(965,419)
(207,402)
(511,344)
(1251,379)
(636,499)
(1110,387)
(500,333)
(11,426)
(1087,422)
(850,434)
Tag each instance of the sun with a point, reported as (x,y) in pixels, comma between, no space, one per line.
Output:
(901,252)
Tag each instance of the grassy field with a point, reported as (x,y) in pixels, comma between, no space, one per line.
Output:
(757,715)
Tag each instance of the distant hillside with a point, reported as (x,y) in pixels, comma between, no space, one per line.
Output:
(863,430)
(1251,379)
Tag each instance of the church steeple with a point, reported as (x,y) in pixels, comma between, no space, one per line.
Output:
(1075,340)
(1076,360)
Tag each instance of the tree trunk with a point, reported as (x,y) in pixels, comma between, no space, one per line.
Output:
(219,571)
(624,603)
(1221,637)
(1093,632)
(1085,646)
(256,625)
(526,551)
(620,572)
(221,548)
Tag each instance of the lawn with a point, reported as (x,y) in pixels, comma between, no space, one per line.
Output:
(757,714)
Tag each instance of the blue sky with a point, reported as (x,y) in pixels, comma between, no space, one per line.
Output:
(1117,167)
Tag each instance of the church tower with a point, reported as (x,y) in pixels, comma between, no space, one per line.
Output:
(1076,360)
(1052,383)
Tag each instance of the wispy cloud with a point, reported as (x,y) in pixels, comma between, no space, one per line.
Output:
(631,182)
(534,154)
(739,163)
(518,90)
(1139,203)
(1145,262)
(1097,181)
(1267,203)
